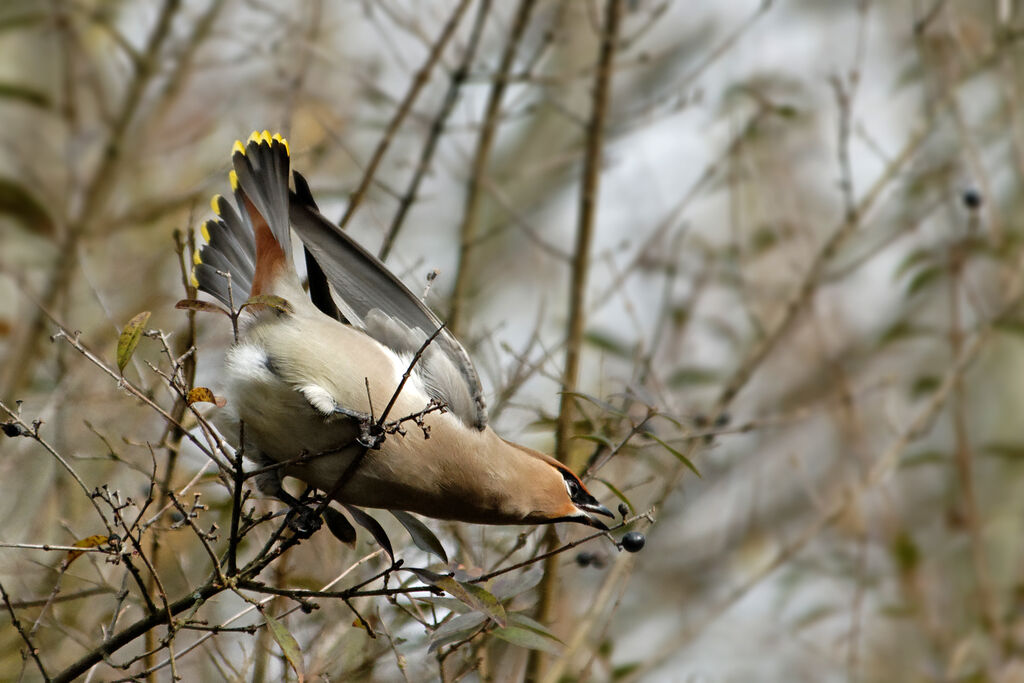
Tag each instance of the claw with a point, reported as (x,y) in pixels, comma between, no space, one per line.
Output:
(303,520)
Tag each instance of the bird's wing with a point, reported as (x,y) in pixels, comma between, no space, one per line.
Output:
(372,298)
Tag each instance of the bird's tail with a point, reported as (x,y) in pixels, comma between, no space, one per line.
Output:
(251,240)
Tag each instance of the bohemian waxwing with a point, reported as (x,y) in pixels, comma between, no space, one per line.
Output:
(310,376)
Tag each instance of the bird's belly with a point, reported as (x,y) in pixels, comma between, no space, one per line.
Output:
(279,421)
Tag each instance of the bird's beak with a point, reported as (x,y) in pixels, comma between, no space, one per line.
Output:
(600,510)
(596,509)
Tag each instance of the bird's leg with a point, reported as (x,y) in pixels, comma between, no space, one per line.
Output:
(302,519)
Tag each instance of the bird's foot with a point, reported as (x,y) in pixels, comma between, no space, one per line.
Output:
(303,520)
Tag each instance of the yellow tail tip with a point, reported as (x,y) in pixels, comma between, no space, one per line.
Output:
(262,137)
(196,259)
(238,148)
(233,177)
(205,230)
(283,141)
(195,281)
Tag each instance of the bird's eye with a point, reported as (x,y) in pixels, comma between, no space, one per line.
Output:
(572,487)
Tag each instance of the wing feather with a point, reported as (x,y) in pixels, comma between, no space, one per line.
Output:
(372,298)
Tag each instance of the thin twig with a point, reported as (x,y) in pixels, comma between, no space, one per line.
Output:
(481,158)
(578,284)
(458,79)
(32,649)
(420,80)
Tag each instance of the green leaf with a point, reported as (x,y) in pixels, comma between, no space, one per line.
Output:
(923,385)
(679,456)
(693,375)
(606,342)
(914,259)
(596,438)
(1010,451)
(28,18)
(603,405)
(26,95)
(279,304)
(456,629)
(764,238)
(523,637)
(1014,326)
(421,535)
(531,624)
(18,202)
(202,306)
(451,604)
(624,670)
(510,585)
(922,279)
(812,616)
(928,457)
(286,641)
(905,552)
(619,494)
(900,331)
(129,339)
(469,593)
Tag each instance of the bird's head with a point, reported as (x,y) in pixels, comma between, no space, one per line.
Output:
(558,495)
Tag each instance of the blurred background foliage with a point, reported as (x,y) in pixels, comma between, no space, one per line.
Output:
(806,265)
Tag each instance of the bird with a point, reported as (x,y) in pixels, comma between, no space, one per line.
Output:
(355,387)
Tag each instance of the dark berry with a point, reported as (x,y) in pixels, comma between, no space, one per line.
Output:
(972,199)
(11,429)
(623,509)
(633,542)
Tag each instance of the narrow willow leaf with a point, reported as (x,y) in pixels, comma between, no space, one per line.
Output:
(201,306)
(603,405)
(510,585)
(531,640)
(451,604)
(521,620)
(596,438)
(469,593)
(373,526)
(454,630)
(277,303)
(129,339)
(693,375)
(25,94)
(679,456)
(19,203)
(286,641)
(619,494)
(922,279)
(605,341)
(340,526)
(421,535)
